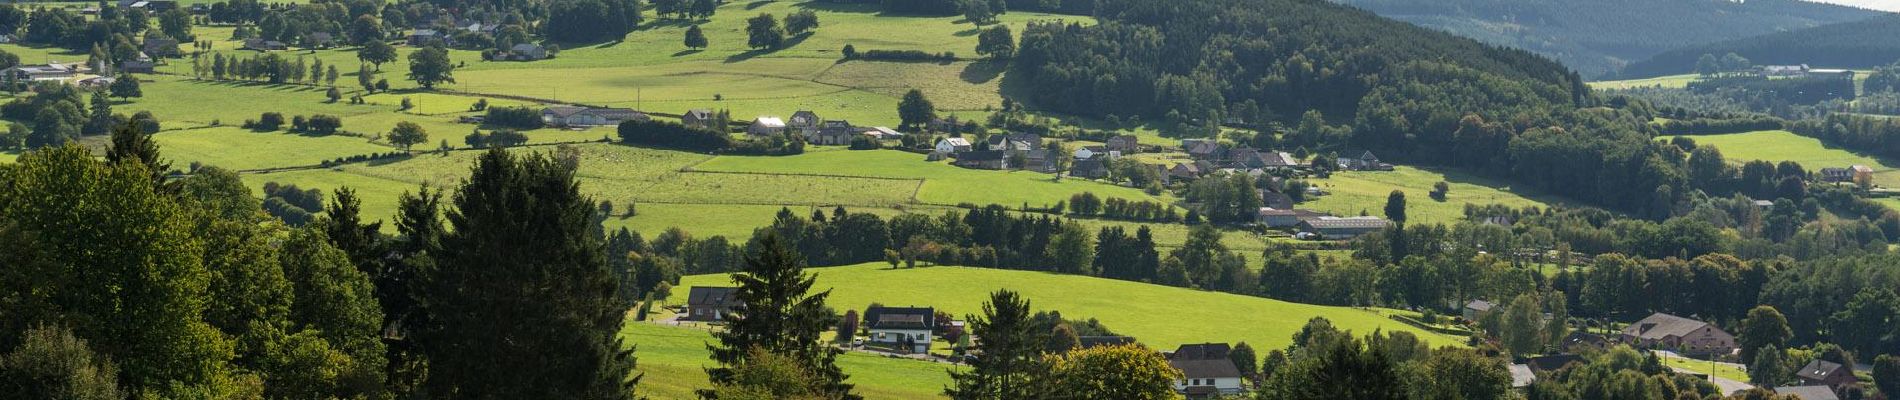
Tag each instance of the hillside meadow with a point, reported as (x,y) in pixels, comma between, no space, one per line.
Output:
(1159,316)
(1811,153)
(673,361)
(943,184)
(1350,193)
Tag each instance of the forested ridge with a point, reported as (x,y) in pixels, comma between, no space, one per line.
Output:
(1598,37)
(1859,44)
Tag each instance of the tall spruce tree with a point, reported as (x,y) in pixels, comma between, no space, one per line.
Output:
(778,315)
(521,303)
(1011,344)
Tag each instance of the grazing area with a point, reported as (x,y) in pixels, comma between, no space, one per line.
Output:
(1349,193)
(942,184)
(1666,82)
(1811,153)
(674,361)
(243,149)
(1158,316)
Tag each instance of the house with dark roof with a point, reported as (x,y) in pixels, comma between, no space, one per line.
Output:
(571,116)
(1826,373)
(710,303)
(136,67)
(264,45)
(907,329)
(1188,171)
(983,159)
(834,133)
(422,37)
(1579,340)
(1808,392)
(1682,335)
(320,40)
(1206,371)
(1276,200)
(1361,160)
(527,52)
(804,122)
(1553,362)
(699,118)
(1329,227)
(1091,168)
(1205,150)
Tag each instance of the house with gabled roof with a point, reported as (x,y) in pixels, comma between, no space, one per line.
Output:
(908,329)
(765,126)
(1826,373)
(953,145)
(1206,370)
(1342,227)
(1127,144)
(834,133)
(1808,392)
(710,303)
(983,159)
(699,118)
(804,122)
(1091,168)
(1682,335)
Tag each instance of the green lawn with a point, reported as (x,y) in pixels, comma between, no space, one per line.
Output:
(673,361)
(942,183)
(1159,316)
(1722,370)
(1671,81)
(1811,153)
(242,149)
(1351,192)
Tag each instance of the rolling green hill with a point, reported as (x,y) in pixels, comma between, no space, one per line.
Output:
(1158,316)
(673,361)
(1811,153)
(1600,36)
(1857,44)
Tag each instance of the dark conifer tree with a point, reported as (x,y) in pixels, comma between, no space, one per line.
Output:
(1012,346)
(521,302)
(778,315)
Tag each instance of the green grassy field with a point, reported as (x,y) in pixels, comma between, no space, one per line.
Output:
(242,149)
(1351,192)
(673,361)
(1159,316)
(942,183)
(1778,146)
(1671,81)
(1722,370)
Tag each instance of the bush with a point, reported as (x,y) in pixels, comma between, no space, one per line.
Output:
(270,121)
(904,55)
(324,124)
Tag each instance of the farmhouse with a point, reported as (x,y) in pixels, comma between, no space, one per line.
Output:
(136,67)
(1124,143)
(1087,152)
(1273,199)
(40,72)
(697,118)
(907,329)
(1204,149)
(834,133)
(1826,373)
(709,303)
(1014,142)
(953,145)
(570,116)
(883,133)
(804,122)
(1783,70)
(97,82)
(422,37)
(1091,168)
(1475,309)
(1683,335)
(765,127)
(527,52)
(1206,370)
(1361,160)
(1185,171)
(1341,228)
(1283,217)
(985,159)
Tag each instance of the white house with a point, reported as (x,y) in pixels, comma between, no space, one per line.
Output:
(766,127)
(1206,371)
(953,145)
(1088,152)
(903,328)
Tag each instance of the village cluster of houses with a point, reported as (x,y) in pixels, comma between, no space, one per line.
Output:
(1028,151)
(1818,380)
(805,123)
(1207,370)
(1800,71)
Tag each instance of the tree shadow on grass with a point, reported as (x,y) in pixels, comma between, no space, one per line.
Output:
(969,32)
(687,52)
(756,4)
(981,71)
(750,54)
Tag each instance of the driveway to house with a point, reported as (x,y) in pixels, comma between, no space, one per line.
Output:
(1728,386)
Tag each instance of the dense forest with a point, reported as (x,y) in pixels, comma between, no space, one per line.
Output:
(1858,44)
(1599,37)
